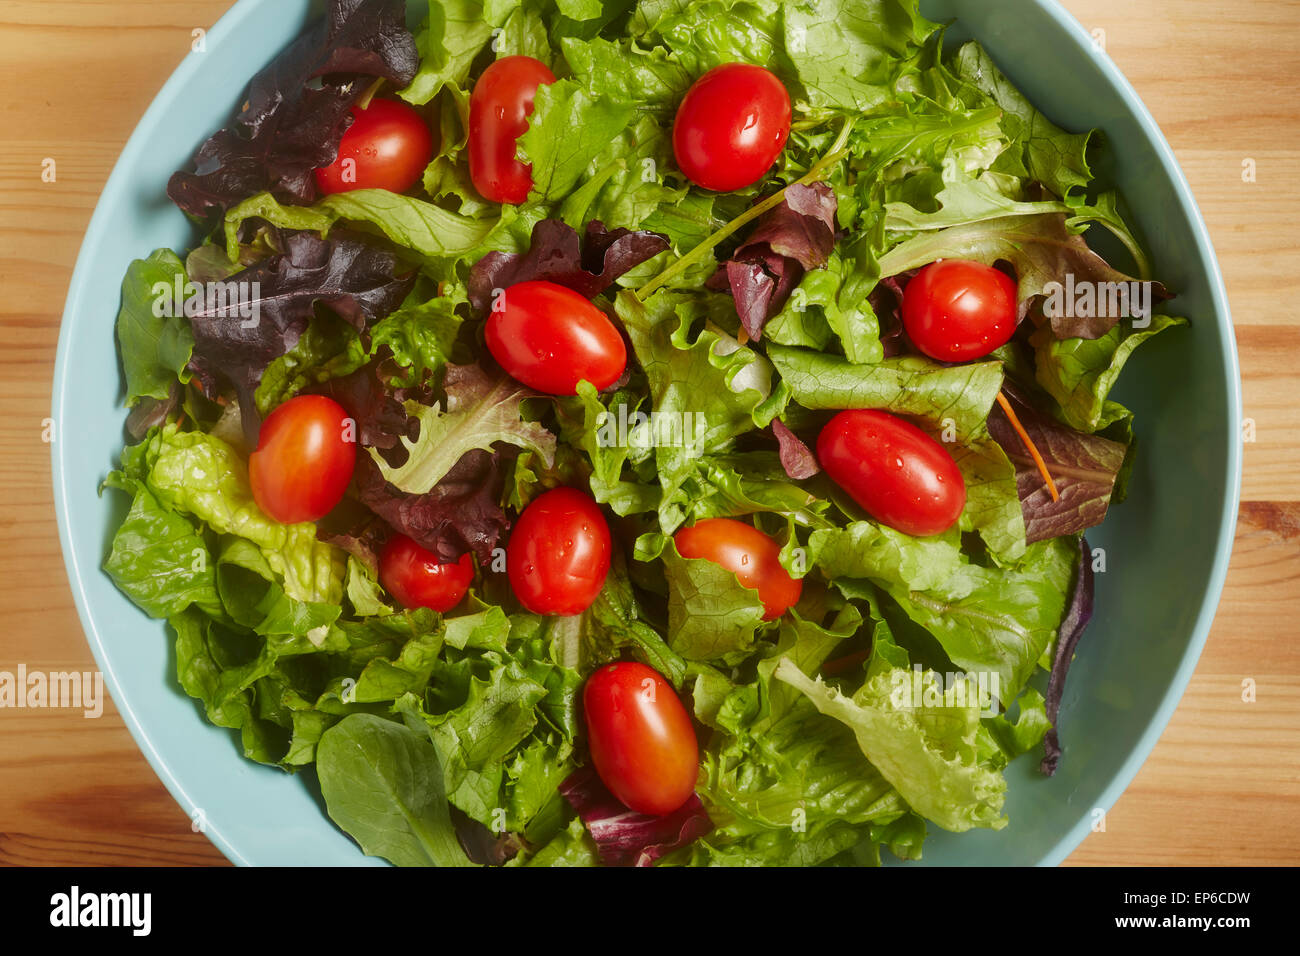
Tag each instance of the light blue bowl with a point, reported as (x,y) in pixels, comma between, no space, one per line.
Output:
(1167,548)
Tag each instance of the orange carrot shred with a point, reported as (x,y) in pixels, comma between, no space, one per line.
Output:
(1029,446)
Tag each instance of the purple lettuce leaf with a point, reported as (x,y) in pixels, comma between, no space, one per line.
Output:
(1077,616)
(460,514)
(291,125)
(802,227)
(149,412)
(380,412)
(355,280)
(796,457)
(357,530)
(886,300)
(624,837)
(1084,468)
(792,237)
(556,254)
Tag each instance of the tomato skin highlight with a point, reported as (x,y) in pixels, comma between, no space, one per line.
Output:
(305,454)
(897,473)
(499,107)
(419,578)
(642,741)
(955,310)
(559,553)
(731,126)
(749,554)
(389,146)
(551,338)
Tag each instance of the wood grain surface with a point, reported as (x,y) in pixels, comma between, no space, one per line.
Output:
(1222,786)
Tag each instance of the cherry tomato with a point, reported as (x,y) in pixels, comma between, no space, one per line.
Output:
(642,741)
(304,458)
(550,338)
(387,146)
(898,474)
(499,108)
(955,310)
(748,553)
(558,554)
(418,578)
(731,126)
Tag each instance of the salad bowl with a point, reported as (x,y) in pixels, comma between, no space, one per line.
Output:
(1160,560)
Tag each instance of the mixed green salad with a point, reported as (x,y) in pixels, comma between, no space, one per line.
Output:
(756,349)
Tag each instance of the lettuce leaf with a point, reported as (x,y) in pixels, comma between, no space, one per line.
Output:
(481,409)
(297,108)
(155,349)
(1079,373)
(929,757)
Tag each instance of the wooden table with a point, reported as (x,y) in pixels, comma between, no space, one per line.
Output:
(1223,785)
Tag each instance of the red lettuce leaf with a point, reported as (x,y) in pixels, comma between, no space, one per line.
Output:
(1072,627)
(588,266)
(886,300)
(802,227)
(458,515)
(627,838)
(355,528)
(1084,468)
(379,411)
(792,237)
(290,125)
(796,457)
(353,279)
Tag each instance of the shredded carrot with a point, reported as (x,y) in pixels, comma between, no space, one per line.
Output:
(742,336)
(1029,446)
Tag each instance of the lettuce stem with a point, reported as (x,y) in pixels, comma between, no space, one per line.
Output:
(833,156)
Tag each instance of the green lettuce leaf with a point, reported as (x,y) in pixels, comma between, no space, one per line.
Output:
(929,757)
(154,349)
(161,561)
(383,786)
(1079,373)
(568,129)
(482,409)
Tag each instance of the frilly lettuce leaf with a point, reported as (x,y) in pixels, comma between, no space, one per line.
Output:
(930,757)
(199,475)
(482,409)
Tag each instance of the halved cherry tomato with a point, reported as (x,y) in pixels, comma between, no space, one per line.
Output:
(731,126)
(305,454)
(559,553)
(387,146)
(898,474)
(642,741)
(955,310)
(749,554)
(418,578)
(550,338)
(499,108)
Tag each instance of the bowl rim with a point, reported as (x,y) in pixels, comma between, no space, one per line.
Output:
(231,22)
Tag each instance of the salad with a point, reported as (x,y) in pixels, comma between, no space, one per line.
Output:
(625,433)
